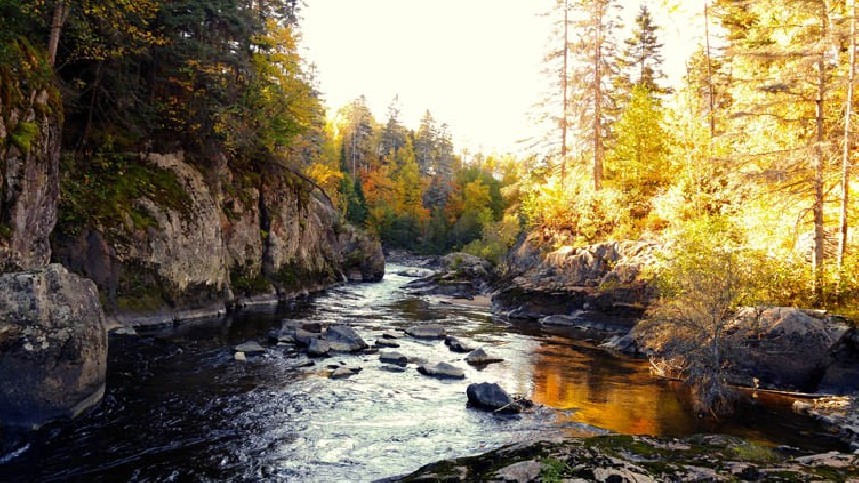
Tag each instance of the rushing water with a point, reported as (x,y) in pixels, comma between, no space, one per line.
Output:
(179,407)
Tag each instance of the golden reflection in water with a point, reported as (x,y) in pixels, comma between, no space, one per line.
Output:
(618,395)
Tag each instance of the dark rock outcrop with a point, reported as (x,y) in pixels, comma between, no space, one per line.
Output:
(53,346)
(599,282)
(784,347)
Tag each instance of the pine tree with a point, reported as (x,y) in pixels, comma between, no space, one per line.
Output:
(641,61)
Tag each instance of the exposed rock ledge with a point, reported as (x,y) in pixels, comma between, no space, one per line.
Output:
(53,346)
(599,283)
(222,237)
(642,459)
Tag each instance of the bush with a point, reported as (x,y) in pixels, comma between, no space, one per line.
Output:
(703,278)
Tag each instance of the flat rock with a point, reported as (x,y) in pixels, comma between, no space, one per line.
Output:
(479,356)
(240,356)
(521,471)
(250,348)
(344,339)
(442,370)
(390,336)
(427,331)
(392,357)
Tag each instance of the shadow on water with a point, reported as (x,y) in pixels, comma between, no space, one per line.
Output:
(178,406)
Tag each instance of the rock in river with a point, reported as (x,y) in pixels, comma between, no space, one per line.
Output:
(318,348)
(53,346)
(488,395)
(344,339)
(442,370)
(427,331)
(457,345)
(392,357)
(479,356)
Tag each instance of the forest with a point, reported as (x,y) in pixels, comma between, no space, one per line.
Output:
(757,139)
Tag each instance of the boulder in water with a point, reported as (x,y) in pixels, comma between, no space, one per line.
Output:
(442,370)
(53,346)
(392,357)
(457,345)
(489,395)
(343,338)
(387,343)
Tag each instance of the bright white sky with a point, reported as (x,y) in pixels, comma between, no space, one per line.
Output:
(473,63)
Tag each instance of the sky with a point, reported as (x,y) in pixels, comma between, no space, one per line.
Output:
(475,64)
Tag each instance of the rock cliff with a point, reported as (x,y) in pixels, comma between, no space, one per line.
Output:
(53,339)
(29,164)
(193,241)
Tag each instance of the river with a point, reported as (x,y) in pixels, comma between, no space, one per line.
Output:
(179,407)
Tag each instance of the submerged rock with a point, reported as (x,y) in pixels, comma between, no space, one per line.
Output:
(53,346)
(343,338)
(442,370)
(426,331)
(489,395)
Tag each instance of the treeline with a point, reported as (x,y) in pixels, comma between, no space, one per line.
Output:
(410,188)
(757,139)
(223,81)
(215,78)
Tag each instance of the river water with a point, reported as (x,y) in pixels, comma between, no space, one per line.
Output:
(179,407)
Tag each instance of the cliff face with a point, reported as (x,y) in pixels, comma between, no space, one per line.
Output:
(193,244)
(53,339)
(29,159)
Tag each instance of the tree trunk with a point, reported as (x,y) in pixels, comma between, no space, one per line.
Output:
(845,158)
(565,83)
(57,20)
(817,260)
(598,147)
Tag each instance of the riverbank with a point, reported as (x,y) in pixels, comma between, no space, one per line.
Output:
(642,459)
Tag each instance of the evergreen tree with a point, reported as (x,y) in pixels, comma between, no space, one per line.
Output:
(641,61)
